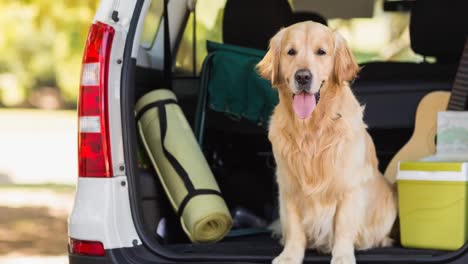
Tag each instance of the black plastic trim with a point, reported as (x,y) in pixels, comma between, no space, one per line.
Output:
(129,136)
(398,6)
(160,253)
(79,259)
(134,255)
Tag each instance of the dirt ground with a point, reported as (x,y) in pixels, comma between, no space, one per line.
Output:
(32,231)
(33,222)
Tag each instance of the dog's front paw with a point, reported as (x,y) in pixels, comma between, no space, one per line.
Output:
(285,259)
(348,259)
(387,242)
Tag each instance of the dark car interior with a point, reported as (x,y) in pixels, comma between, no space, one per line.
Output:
(239,152)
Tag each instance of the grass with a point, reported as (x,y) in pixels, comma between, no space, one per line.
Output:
(33,219)
(31,230)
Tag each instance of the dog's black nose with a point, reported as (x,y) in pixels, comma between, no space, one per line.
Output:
(303,78)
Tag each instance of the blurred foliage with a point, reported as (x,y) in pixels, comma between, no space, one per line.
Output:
(41,42)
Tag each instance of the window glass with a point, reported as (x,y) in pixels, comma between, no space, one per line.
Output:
(383,37)
(209,16)
(151,23)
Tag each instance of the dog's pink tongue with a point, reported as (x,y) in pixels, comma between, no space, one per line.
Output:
(304,104)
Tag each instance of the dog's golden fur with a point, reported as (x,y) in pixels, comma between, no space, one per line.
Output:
(332,196)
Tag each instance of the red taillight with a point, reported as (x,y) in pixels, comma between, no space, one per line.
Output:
(94,152)
(88,248)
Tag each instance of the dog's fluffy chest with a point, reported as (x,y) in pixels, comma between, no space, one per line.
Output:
(304,165)
(309,158)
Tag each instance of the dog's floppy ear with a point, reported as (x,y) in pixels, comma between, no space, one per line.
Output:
(345,67)
(268,67)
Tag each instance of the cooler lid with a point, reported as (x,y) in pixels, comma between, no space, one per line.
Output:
(433,171)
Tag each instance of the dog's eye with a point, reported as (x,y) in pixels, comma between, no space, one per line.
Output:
(291,52)
(321,52)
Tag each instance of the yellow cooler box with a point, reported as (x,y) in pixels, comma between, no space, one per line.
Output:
(432,200)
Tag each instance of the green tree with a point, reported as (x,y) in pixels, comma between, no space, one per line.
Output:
(41,42)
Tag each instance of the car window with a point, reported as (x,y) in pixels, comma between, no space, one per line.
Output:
(151,23)
(382,37)
(209,17)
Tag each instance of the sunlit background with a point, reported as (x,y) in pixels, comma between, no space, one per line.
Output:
(41,44)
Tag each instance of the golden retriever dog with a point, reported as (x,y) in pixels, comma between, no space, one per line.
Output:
(332,196)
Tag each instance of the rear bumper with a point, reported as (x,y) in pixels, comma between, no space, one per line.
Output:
(102,213)
(141,254)
(134,255)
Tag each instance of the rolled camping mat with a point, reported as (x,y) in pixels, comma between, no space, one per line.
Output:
(181,167)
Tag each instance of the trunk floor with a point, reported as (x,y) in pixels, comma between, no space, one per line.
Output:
(264,245)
